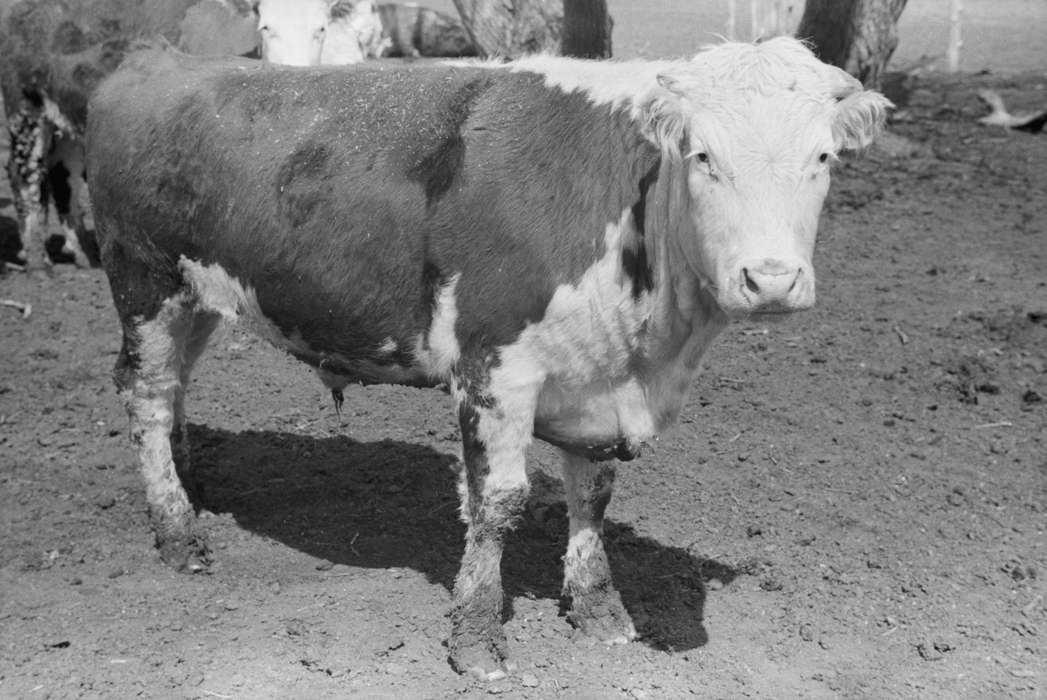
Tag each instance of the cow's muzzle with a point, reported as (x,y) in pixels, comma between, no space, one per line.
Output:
(771,286)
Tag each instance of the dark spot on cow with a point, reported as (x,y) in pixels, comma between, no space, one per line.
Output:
(636,266)
(634,259)
(68,38)
(308,160)
(87,76)
(432,280)
(300,187)
(437,168)
(639,209)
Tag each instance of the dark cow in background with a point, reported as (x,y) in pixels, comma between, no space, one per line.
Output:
(412,31)
(55,52)
(558,241)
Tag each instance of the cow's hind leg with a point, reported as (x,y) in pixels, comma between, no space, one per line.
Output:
(201,326)
(593,604)
(494,490)
(150,372)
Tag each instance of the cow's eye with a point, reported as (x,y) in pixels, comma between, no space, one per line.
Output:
(823,158)
(702,157)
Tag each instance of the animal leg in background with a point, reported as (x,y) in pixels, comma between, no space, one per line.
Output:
(30,141)
(594,606)
(65,168)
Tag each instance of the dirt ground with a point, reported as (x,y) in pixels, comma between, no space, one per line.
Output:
(854,505)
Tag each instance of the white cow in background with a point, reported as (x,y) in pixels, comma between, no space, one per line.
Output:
(313,32)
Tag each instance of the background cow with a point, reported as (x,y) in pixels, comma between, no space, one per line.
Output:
(55,53)
(413,31)
(341,32)
(559,241)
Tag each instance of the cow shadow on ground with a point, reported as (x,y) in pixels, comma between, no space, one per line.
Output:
(395,504)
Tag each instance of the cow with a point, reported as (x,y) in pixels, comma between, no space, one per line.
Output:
(313,32)
(413,31)
(54,54)
(343,32)
(557,241)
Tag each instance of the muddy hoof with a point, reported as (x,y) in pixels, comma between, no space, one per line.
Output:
(185,555)
(483,659)
(602,616)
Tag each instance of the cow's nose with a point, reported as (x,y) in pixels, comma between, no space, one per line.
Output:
(771,283)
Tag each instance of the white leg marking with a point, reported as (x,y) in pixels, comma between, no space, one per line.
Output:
(438,351)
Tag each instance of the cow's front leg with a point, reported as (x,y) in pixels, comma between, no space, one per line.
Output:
(594,605)
(493,489)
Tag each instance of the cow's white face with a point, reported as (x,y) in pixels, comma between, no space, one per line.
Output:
(760,127)
(757,175)
(293,31)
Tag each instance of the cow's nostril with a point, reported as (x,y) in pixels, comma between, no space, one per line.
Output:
(796,279)
(750,284)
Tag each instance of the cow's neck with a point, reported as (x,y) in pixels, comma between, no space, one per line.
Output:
(639,321)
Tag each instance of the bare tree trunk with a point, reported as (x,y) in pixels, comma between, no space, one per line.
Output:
(510,28)
(955,35)
(586,29)
(731,31)
(856,35)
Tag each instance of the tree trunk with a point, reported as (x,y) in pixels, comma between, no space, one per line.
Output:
(586,29)
(856,35)
(511,28)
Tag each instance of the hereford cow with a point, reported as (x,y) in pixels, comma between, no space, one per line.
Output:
(558,241)
(314,32)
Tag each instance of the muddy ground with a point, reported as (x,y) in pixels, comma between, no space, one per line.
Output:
(854,505)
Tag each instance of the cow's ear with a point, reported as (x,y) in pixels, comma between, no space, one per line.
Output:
(859,119)
(664,120)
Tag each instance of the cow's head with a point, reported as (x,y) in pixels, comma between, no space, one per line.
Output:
(750,132)
(293,31)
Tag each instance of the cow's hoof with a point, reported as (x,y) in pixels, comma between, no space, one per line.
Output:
(602,616)
(487,670)
(187,555)
(481,659)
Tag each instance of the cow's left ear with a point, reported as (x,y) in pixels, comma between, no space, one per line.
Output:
(663,116)
(859,119)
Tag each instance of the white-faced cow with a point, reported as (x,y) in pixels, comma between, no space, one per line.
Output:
(558,241)
(314,32)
